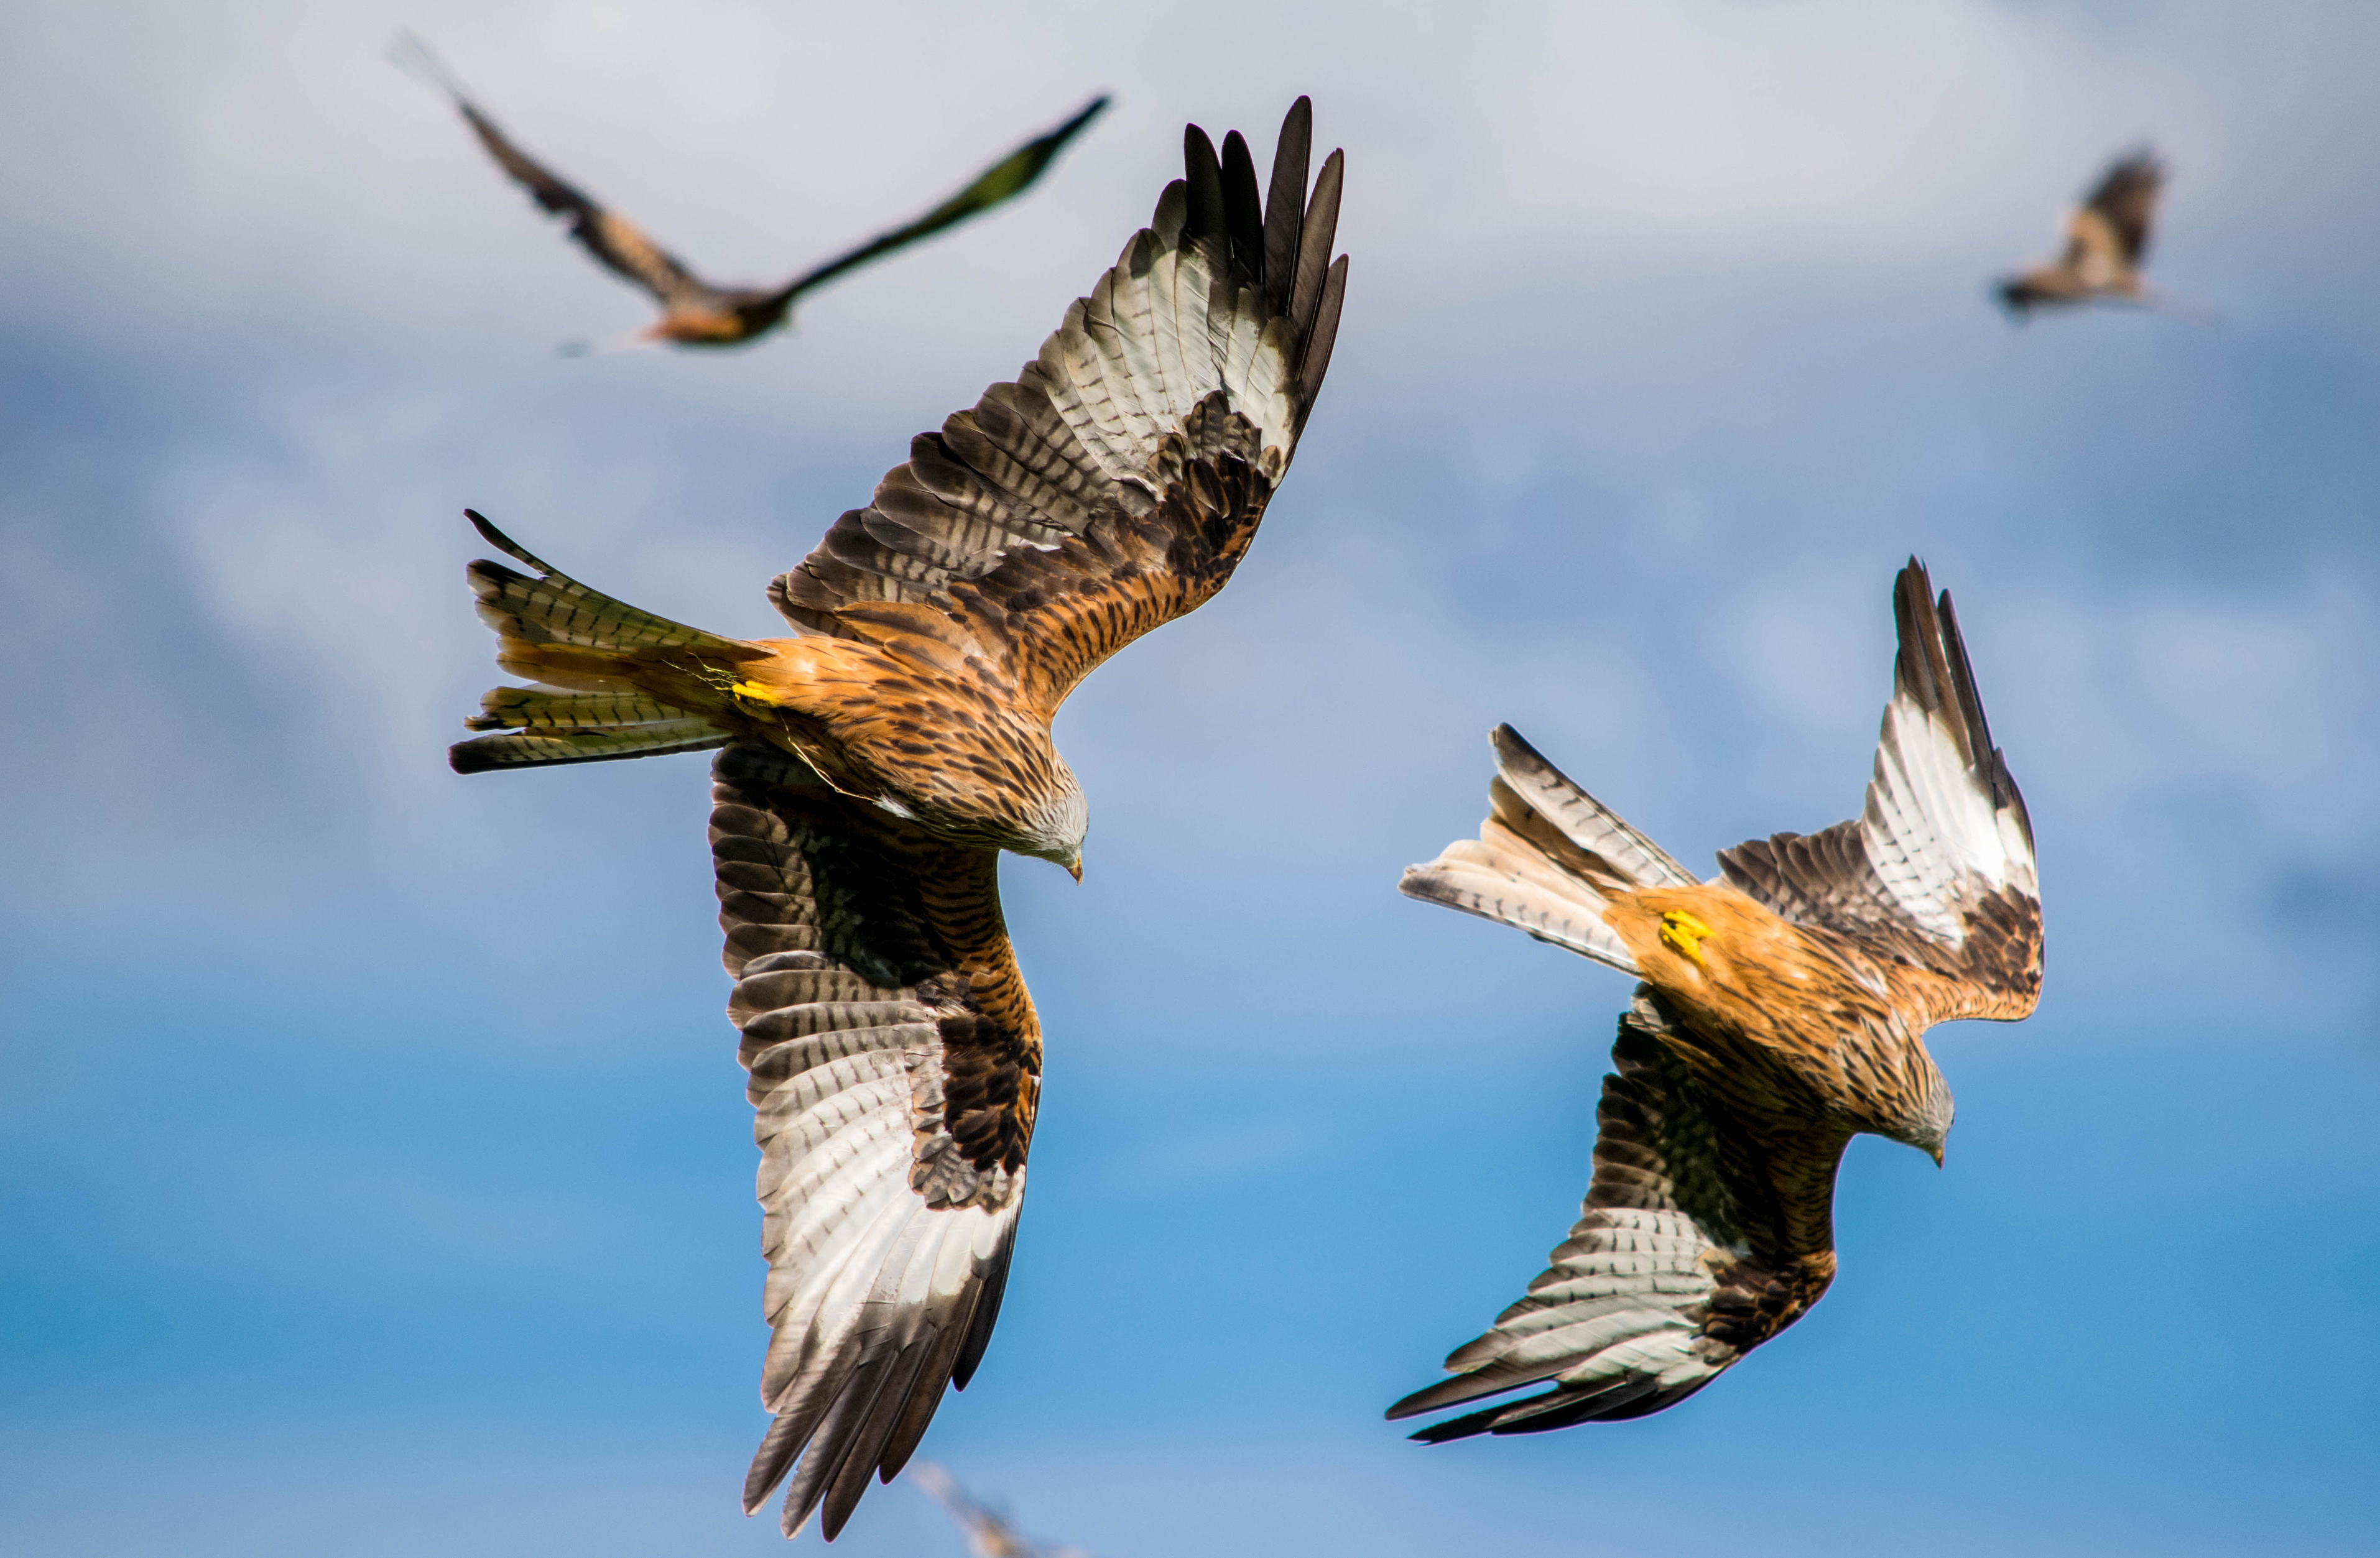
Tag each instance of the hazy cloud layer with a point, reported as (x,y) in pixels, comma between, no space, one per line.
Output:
(341,1097)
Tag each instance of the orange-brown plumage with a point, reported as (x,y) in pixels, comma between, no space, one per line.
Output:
(876,763)
(1782,1011)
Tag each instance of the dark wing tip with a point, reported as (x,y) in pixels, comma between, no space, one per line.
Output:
(1244,208)
(1284,211)
(1914,669)
(1511,746)
(2140,161)
(1202,171)
(1934,668)
(411,53)
(1470,1425)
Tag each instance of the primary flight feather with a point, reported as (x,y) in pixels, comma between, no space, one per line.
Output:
(876,763)
(699,313)
(1782,1011)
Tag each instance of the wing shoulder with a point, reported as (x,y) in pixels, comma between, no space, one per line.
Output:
(895,1069)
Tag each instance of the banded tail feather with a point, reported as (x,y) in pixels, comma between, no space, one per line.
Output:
(547,725)
(596,663)
(1545,859)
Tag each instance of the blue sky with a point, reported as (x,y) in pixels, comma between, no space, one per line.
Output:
(374,1171)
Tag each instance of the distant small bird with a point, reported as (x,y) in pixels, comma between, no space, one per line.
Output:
(989,1536)
(1781,1013)
(696,312)
(2107,242)
(876,764)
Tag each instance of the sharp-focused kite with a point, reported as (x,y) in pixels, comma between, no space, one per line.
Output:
(876,764)
(1782,1011)
(696,312)
(2106,243)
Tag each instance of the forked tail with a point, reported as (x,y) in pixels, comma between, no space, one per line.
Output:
(1546,858)
(612,681)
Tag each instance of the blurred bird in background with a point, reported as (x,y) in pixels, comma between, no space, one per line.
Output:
(1782,1011)
(989,1536)
(876,764)
(2106,244)
(699,313)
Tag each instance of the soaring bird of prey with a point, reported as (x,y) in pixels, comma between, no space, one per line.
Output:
(876,763)
(699,313)
(1782,1011)
(2107,242)
(989,1536)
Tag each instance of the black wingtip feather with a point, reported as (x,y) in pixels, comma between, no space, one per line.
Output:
(1073,126)
(1912,612)
(986,1313)
(1285,202)
(1204,175)
(1465,1427)
(1317,361)
(1244,208)
(1963,678)
(1321,226)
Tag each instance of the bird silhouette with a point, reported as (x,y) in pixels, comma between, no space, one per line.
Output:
(1782,1011)
(2106,244)
(989,1535)
(876,764)
(699,313)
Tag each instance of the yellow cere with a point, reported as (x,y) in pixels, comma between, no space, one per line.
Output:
(1683,932)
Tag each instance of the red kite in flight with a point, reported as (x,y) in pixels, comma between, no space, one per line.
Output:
(1784,1011)
(876,764)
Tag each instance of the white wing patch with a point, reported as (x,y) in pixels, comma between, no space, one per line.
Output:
(1162,330)
(1930,828)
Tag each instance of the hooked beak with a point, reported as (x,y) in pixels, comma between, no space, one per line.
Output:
(1937,1157)
(1074,868)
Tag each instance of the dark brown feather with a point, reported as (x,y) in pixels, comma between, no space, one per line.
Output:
(1742,1169)
(2127,196)
(1007,519)
(847,931)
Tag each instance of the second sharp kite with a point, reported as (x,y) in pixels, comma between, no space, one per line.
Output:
(1784,1011)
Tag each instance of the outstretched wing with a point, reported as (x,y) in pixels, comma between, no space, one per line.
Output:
(2125,199)
(1004,180)
(1116,484)
(1701,1237)
(896,1063)
(2108,235)
(614,241)
(1938,873)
